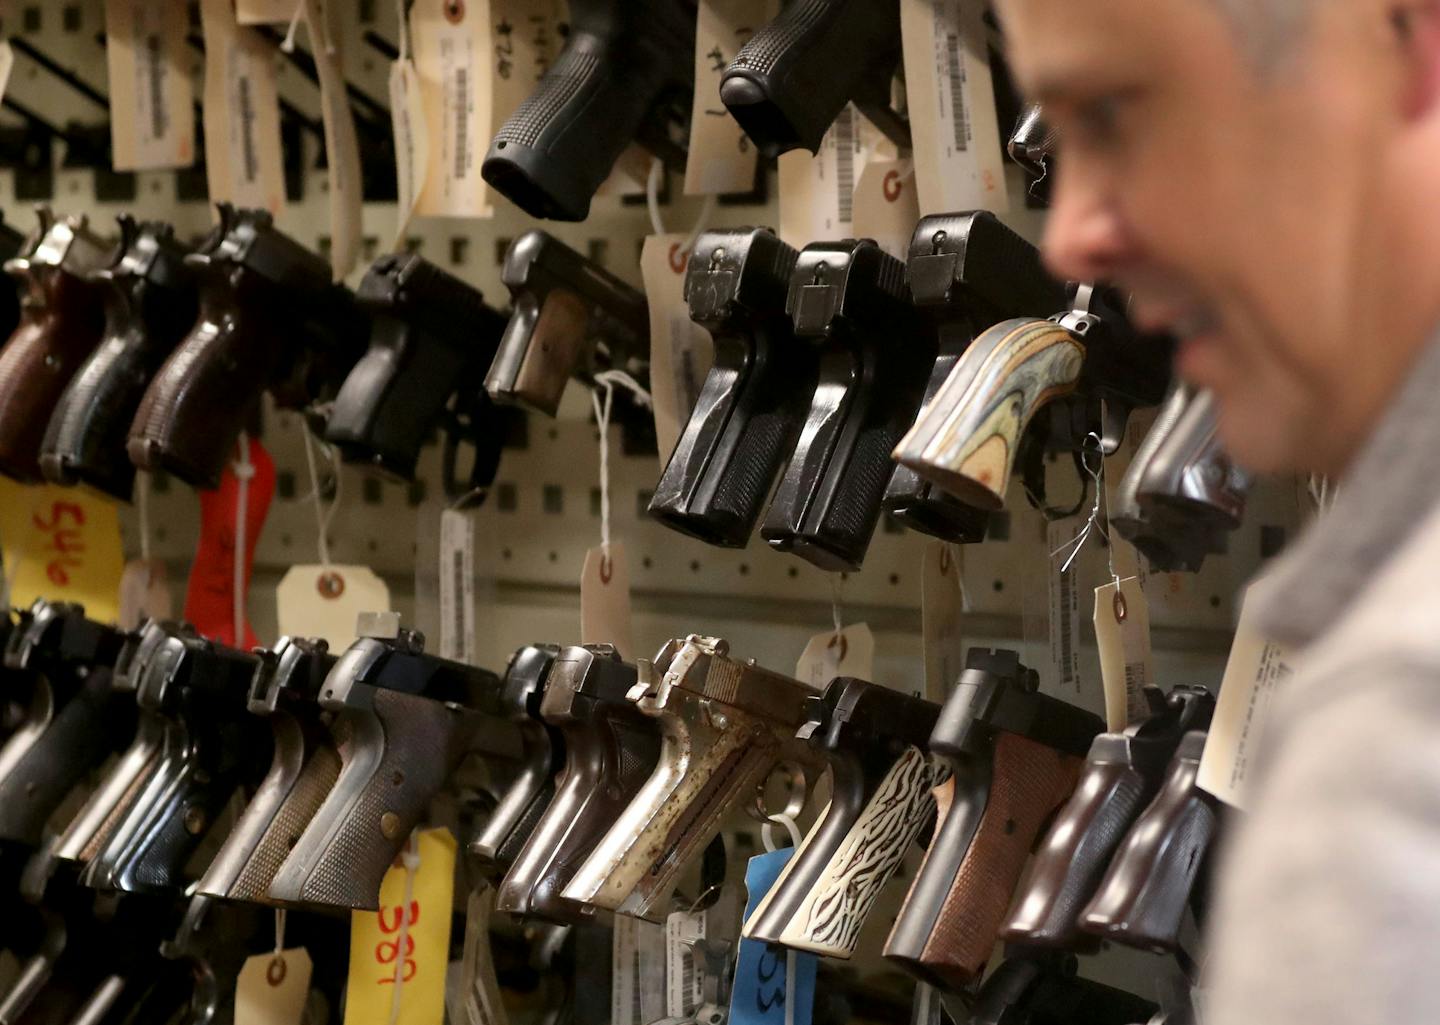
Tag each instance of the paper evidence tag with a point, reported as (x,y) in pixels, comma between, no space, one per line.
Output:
(827,655)
(144,593)
(242,113)
(1064,604)
(886,205)
(605,600)
(342,150)
(679,348)
(637,982)
(452,55)
(151,125)
(272,988)
(525,39)
(942,608)
(1122,633)
(62,544)
(315,600)
(817,193)
(684,977)
(457,586)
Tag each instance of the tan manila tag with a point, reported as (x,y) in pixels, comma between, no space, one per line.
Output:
(324,601)
(242,113)
(479,984)
(1064,597)
(827,655)
(272,988)
(1122,633)
(341,148)
(525,39)
(817,193)
(721,157)
(637,972)
(886,205)
(407,118)
(942,610)
(630,174)
(452,55)
(457,586)
(605,600)
(7,64)
(151,94)
(264,12)
(679,348)
(950,91)
(144,593)
(1257,668)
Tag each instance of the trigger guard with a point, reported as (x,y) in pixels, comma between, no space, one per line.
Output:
(798,796)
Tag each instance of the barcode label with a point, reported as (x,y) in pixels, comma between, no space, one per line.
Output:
(1064,604)
(462,122)
(155,69)
(1137,678)
(457,586)
(1067,629)
(845,164)
(959,109)
(682,981)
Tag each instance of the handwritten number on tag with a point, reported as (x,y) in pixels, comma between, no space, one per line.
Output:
(383,957)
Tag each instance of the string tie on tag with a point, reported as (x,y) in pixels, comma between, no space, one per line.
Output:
(275,972)
(410,859)
(652,203)
(1092,523)
(323,517)
(606,382)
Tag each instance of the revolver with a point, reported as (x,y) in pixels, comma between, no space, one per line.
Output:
(284,690)
(1182,496)
(793,77)
(1015,755)
(150,301)
(404,720)
(611,749)
(874,739)
(432,339)
(270,319)
(1030,990)
(1122,774)
(571,317)
(753,402)
(851,300)
(196,688)
(626,74)
(725,725)
(967,438)
(1157,871)
(75,718)
(966,272)
(62,319)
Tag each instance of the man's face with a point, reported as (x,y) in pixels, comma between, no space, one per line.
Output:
(1233,203)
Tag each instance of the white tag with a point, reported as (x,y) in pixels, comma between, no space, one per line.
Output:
(1064,605)
(951,96)
(272,990)
(1256,669)
(605,600)
(721,157)
(481,987)
(942,606)
(242,113)
(452,49)
(683,983)
(679,347)
(341,148)
(324,601)
(827,655)
(457,586)
(144,593)
(1122,633)
(817,194)
(886,206)
(637,974)
(151,125)
(407,114)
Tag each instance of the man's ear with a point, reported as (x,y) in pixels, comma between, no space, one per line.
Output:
(1417,31)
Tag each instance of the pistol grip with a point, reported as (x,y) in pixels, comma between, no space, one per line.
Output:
(88,831)
(966,439)
(85,440)
(1075,854)
(316,779)
(1141,901)
(515,817)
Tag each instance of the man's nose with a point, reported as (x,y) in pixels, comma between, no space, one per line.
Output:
(1085,236)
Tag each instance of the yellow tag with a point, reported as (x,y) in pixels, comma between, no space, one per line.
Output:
(342,151)
(950,92)
(324,601)
(144,593)
(272,988)
(62,544)
(605,600)
(1122,633)
(379,955)
(264,12)
(452,49)
(886,206)
(1257,668)
(151,125)
(525,38)
(411,144)
(721,157)
(679,347)
(242,113)
(851,652)
(942,606)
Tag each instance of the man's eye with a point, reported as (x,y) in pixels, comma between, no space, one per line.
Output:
(1097,122)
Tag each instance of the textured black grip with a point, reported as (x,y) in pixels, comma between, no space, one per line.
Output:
(621,59)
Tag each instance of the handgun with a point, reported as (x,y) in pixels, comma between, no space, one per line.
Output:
(882,779)
(1182,496)
(611,749)
(967,438)
(626,74)
(407,718)
(285,690)
(1122,773)
(1015,755)
(529,794)
(1028,990)
(725,726)
(61,322)
(1155,875)
(151,302)
(270,319)
(752,405)
(211,748)
(432,339)
(570,318)
(848,300)
(75,718)
(966,272)
(793,77)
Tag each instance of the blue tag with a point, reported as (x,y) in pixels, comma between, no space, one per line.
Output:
(758,995)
